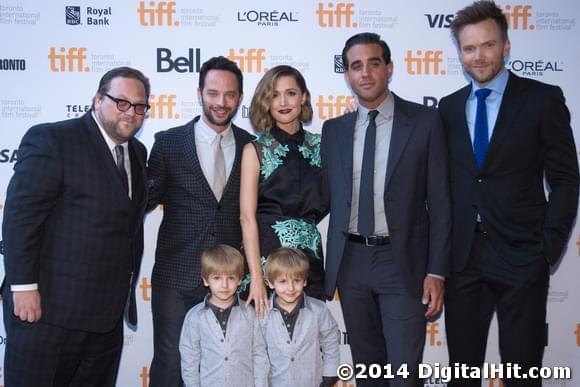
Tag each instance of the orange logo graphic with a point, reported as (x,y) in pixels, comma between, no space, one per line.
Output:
(250,60)
(145,286)
(577,332)
(433,332)
(424,62)
(71,60)
(335,15)
(332,105)
(163,106)
(157,14)
(518,16)
(144,376)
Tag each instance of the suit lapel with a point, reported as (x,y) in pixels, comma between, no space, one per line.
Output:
(510,107)
(461,135)
(346,142)
(402,128)
(104,154)
(192,160)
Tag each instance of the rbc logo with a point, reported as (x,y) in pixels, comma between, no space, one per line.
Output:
(73,15)
(338,65)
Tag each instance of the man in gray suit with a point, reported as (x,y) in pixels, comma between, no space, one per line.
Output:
(194,171)
(390,218)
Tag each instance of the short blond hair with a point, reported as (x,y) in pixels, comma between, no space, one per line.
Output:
(286,261)
(222,259)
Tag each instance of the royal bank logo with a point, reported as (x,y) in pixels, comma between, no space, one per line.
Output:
(12,64)
(338,64)
(267,18)
(72,15)
(94,16)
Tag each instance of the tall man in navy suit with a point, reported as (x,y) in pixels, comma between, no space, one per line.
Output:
(194,171)
(390,215)
(73,235)
(505,134)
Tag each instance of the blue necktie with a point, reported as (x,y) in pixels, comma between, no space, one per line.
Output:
(366,208)
(481,132)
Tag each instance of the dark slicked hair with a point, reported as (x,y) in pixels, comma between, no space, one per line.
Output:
(123,72)
(221,63)
(476,13)
(366,38)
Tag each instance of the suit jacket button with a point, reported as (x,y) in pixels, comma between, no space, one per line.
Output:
(479,180)
(213,234)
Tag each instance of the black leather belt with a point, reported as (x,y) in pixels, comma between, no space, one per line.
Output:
(370,240)
(479,227)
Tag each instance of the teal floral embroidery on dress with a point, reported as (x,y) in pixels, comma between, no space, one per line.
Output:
(297,233)
(247,279)
(310,149)
(271,156)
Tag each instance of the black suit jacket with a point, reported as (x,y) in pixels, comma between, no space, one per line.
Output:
(532,138)
(70,227)
(193,219)
(417,200)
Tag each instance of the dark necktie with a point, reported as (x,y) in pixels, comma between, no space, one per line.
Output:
(366,208)
(120,154)
(481,131)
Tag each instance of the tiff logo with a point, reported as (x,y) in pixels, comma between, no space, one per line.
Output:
(518,16)
(335,15)
(428,62)
(251,61)
(157,14)
(332,106)
(70,60)
(163,106)
(433,332)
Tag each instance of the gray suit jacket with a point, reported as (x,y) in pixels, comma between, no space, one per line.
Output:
(417,199)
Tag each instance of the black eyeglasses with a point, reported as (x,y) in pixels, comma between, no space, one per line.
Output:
(124,105)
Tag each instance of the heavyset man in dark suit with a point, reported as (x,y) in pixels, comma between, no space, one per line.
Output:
(200,204)
(505,232)
(73,235)
(388,260)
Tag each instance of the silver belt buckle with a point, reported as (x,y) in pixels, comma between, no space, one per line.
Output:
(367,238)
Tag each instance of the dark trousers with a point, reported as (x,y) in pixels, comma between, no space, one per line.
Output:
(517,293)
(385,324)
(43,355)
(169,307)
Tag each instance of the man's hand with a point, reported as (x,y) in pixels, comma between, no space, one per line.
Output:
(433,291)
(27,305)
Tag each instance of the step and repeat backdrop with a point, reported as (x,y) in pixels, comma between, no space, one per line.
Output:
(53,53)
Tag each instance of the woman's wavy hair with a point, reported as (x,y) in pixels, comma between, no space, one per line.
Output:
(260,116)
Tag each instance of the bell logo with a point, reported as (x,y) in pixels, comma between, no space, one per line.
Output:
(144,376)
(157,14)
(336,15)
(250,60)
(332,106)
(71,60)
(577,332)
(433,332)
(518,17)
(163,106)
(424,63)
(145,286)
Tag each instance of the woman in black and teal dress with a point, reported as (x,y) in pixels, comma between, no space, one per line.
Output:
(281,193)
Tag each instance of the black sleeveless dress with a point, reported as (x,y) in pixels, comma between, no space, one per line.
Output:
(291,200)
